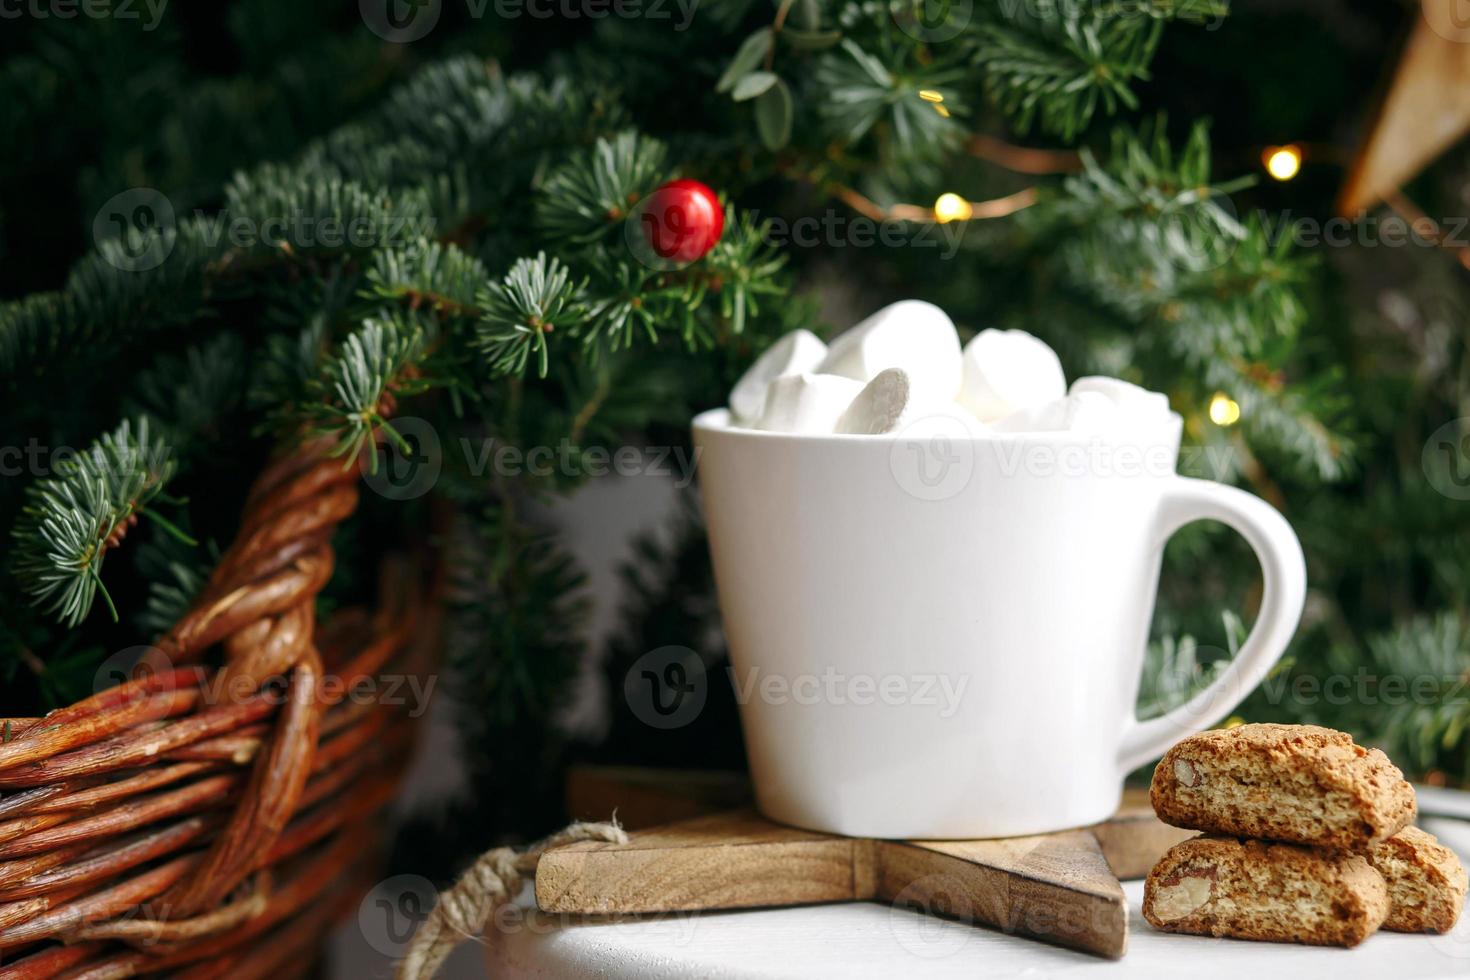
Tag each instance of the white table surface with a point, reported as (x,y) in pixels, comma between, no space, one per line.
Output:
(865,939)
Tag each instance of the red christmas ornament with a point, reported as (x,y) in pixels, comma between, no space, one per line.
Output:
(682,220)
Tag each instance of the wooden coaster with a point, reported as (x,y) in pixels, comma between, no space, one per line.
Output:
(1060,888)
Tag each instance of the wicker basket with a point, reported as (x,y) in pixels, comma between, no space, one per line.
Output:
(213,821)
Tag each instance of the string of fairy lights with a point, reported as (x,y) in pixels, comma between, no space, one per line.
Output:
(1282,163)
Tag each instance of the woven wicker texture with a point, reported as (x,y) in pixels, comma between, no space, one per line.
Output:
(212,821)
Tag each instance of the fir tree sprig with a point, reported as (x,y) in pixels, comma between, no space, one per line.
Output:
(1057,64)
(380,361)
(595,190)
(861,91)
(428,274)
(74,516)
(538,296)
(744,269)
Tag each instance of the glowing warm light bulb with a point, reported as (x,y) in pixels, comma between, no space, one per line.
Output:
(952,207)
(1282,162)
(1224,410)
(929,95)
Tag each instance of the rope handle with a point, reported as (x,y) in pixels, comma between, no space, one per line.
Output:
(495,879)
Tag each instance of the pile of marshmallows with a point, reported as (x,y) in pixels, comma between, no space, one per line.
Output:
(903,367)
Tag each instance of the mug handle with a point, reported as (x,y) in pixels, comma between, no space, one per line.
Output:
(1284,570)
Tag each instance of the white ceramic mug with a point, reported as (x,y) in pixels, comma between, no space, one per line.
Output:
(940,634)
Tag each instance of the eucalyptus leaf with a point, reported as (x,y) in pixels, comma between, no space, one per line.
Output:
(753,84)
(752,52)
(773,115)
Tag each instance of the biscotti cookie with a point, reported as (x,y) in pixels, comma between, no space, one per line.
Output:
(1222,886)
(1296,783)
(1426,882)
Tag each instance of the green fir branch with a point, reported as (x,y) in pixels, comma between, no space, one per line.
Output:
(76,514)
(383,356)
(537,297)
(1057,65)
(596,190)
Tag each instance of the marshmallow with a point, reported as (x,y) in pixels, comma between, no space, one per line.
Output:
(798,351)
(806,402)
(889,404)
(1084,411)
(1009,370)
(1129,398)
(880,407)
(913,335)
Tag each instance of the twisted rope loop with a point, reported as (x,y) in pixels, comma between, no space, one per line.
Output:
(492,881)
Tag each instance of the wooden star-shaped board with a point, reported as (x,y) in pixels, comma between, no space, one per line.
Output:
(1060,888)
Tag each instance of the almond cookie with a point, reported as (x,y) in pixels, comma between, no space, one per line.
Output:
(1426,882)
(1222,886)
(1297,783)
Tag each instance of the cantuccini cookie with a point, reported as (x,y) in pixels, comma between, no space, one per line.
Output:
(1297,783)
(1222,886)
(1426,882)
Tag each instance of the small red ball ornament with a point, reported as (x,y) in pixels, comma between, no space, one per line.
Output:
(682,220)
